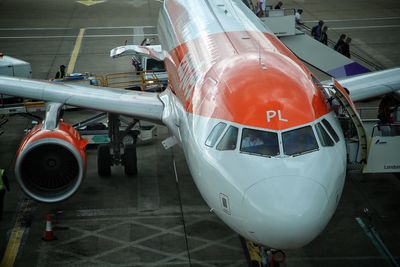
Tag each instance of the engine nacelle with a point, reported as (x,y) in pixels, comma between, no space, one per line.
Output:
(51,164)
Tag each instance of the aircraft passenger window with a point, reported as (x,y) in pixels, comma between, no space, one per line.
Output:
(323,136)
(229,140)
(299,141)
(330,130)
(259,142)
(215,134)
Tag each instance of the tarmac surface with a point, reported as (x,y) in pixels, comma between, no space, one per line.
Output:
(158,217)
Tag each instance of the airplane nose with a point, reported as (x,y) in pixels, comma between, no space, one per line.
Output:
(285,212)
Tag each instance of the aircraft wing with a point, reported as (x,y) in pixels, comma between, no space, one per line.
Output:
(141,105)
(153,51)
(372,84)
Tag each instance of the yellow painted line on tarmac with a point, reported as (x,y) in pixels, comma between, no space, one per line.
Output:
(17,233)
(90,2)
(75,52)
(13,246)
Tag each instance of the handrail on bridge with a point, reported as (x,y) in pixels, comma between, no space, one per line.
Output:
(353,54)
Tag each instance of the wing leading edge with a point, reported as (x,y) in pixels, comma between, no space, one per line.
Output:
(372,84)
(141,105)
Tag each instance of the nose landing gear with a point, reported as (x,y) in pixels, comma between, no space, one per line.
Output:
(260,256)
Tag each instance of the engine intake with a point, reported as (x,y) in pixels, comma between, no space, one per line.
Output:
(51,165)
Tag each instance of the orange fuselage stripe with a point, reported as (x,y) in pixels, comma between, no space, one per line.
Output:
(249,78)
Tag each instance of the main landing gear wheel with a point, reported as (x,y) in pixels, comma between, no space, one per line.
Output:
(104,160)
(130,160)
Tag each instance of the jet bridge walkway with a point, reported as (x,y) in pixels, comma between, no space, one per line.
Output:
(311,51)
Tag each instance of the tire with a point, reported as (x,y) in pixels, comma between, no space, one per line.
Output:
(104,160)
(128,139)
(130,160)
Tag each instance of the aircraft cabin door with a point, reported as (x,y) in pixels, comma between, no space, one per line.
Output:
(337,92)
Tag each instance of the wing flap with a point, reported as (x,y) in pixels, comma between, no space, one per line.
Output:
(141,105)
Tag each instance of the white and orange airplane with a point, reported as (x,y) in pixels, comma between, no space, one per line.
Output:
(263,144)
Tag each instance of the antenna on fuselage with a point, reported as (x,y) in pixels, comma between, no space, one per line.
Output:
(263,66)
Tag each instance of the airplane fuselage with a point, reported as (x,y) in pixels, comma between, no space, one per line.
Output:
(231,78)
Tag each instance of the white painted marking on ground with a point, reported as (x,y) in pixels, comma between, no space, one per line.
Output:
(79,225)
(381,59)
(175,171)
(135,211)
(33,29)
(87,28)
(365,27)
(91,2)
(74,36)
(120,27)
(348,20)
(359,258)
(136,33)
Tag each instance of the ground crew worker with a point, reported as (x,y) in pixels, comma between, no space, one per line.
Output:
(3,187)
(61,73)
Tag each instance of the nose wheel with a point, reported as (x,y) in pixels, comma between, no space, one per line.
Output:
(260,256)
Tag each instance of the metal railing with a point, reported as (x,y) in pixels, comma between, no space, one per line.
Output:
(332,43)
(389,129)
(137,80)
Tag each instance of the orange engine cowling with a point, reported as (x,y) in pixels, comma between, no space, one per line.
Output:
(51,164)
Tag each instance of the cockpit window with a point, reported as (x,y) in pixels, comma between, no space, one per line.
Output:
(330,130)
(259,142)
(229,140)
(215,134)
(323,135)
(299,141)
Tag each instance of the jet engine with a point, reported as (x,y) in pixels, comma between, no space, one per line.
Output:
(51,164)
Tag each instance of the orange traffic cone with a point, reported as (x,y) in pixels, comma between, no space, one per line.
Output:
(49,234)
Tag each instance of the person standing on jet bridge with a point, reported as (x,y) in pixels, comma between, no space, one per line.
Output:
(316,30)
(297,17)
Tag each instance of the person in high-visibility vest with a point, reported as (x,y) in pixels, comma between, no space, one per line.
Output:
(3,187)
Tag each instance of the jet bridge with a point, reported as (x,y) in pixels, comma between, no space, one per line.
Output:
(322,56)
(311,51)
